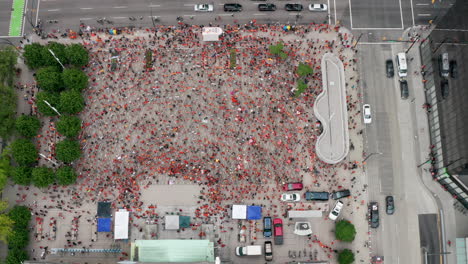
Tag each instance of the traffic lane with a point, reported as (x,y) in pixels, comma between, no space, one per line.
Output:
(5,15)
(429,237)
(376,14)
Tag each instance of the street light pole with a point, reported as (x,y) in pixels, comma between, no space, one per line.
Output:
(51,107)
(53,54)
(372,154)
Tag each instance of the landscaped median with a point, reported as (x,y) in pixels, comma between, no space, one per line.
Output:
(16,20)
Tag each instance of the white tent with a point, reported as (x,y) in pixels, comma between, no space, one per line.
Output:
(211,33)
(239,211)
(172,222)
(121,224)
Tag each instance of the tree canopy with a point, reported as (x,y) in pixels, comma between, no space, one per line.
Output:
(7,111)
(8,57)
(69,126)
(19,238)
(301,87)
(68,150)
(28,126)
(49,79)
(22,175)
(5,167)
(59,50)
(16,256)
(24,152)
(20,215)
(75,79)
(6,227)
(346,256)
(33,55)
(66,175)
(304,69)
(77,55)
(345,231)
(52,98)
(71,102)
(43,176)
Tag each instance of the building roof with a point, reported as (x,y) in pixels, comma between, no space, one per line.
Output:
(169,251)
(172,222)
(121,224)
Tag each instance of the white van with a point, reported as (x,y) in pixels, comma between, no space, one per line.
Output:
(402,65)
(444,65)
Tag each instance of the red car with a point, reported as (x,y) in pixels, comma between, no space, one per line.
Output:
(278,231)
(295,186)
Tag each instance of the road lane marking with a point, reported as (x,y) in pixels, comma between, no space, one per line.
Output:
(377,28)
(120,6)
(37,11)
(334,7)
(350,15)
(24,18)
(154,5)
(53,10)
(189,15)
(412,12)
(424,14)
(422,4)
(226,14)
(85,18)
(259,14)
(86,8)
(401,15)
(118,17)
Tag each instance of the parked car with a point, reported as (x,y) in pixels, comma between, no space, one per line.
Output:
(404,89)
(278,231)
(268,248)
(290,197)
(389,68)
(204,8)
(316,196)
(444,65)
(390,205)
(340,194)
(318,7)
(453,69)
(366,112)
(293,7)
(444,88)
(294,186)
(267,226)
(374,214)
(336,211)
(232,7)
(266,7)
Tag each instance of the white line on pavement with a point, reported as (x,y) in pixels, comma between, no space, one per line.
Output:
(120,6)
(154,5)
(37,11)
(225,14)
(189,15)
(401,15)
(424,14)
(53,10)
(379,43)
(422,4)
(334,7)
(259,14)
(350,15)
(412,11)
(86,8)
(85,18)
(378,28)
(118,17)
(24,19)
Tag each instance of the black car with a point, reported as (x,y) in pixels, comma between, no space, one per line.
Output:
(316,196)
(374,214)
(293,7)
(232,7)
(266,7)
(390,205)
(444,88)
(453,69)
(404,89)
(340,194)
(389,68)
(268,249)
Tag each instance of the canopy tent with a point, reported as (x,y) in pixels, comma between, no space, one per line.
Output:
(172,222)
(254,212)
(104,209)
(168,251)
(211,33)
(184,221)
(121,224)
(104,224)
(239,211)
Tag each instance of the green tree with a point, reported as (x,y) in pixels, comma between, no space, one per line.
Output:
(22,175)
(75,79)
(50,79)
(52,98)
(24,152)
(6,227)
(77,55)
(5,167)
(16,256)
(66,175)
(301,87)
(28,126)
(277,49)
(71,102)
(8,57)
(345,231)
(7,111)
(68,150)
(345,256)
(19,238)
(304,69)
(59,50)
(33,55)
(69,126)
(3,205)
(43,176)
(21,216)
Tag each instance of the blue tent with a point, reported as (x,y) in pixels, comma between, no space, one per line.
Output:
(254,212)
(104,224)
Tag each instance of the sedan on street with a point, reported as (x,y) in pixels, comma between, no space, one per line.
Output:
(366,112)
(232,7)
(390,205)
(290,197)
(336,211)
(318,7)
(293,7)
(266,7)
(294,186)
(389,68)
(204,8)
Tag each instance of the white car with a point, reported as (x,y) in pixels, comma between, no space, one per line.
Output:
(318,7)
(290,197)
(366,113)
(204,8)
(336,211)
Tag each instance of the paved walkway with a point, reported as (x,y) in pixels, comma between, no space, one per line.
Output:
(333,144)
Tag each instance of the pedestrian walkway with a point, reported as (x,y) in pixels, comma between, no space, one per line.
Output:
(16,20)
(333,144)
